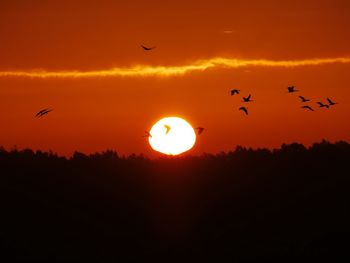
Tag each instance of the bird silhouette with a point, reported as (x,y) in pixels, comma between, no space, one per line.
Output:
(147,134)
(200,130)
(331,103)
(40,112)
(234,91)
(43,112)
(244,109)
(303,99)
(322,105)
(292,89)
(147,48)
(247,99)
(167,127)
(307,107)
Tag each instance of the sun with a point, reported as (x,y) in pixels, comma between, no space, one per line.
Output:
(172,136)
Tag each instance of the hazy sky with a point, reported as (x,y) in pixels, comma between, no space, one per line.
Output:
(73,55)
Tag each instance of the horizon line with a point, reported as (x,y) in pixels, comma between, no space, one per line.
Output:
(169,71)
(307,146)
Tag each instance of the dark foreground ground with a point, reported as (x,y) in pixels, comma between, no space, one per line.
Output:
(243,206)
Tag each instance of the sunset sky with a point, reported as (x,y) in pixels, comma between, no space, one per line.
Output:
(84,60)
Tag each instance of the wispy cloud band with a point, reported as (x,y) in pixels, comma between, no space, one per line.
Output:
(167,71)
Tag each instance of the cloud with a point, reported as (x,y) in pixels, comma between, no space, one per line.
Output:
(168,71)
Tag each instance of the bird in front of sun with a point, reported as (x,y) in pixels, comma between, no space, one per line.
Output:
(168,128)
(43,112)
(147,48)
(172,136)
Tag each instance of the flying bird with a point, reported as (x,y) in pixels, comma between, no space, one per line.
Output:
(331,103)
(303,99)
(147,134)
(322,105)
(234,91)
(244,109)
(40,112)
(307,107)
(292,89)
(167,127)
(147,48)
(200,130)
(247,99)
(43,112)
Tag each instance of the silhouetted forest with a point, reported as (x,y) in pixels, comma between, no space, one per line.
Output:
(247,205)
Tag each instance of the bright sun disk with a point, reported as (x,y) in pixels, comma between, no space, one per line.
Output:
(172,136)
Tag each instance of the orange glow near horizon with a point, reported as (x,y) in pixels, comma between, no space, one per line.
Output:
(84,60)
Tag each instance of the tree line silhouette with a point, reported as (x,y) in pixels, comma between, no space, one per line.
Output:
(246,205)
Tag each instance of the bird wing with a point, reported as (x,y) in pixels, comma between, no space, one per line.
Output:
(292,89)
(147,134)
(249,96)
(167,127)
(330,101)
(320,103)
(244,109)
(46,112)
(147,48)
(40,112)
(308,107)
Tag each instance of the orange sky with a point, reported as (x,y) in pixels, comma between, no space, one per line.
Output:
(111,112)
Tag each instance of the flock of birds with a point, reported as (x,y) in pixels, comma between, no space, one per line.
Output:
(291,89)
(245,99)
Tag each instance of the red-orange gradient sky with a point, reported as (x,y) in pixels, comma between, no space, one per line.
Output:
(101,111)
